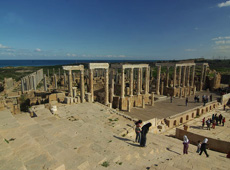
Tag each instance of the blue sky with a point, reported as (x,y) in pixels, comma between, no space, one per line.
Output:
(114,29)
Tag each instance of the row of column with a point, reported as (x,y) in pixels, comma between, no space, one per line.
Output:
(185,81)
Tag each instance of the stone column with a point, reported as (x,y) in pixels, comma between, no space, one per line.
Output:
(139,82)
(22,85)
(205,73)
(152,98)
(188,76)
(179,78)
(74,92)
(162,88)
(167,77)
(174,76)
(45,84)
(201,78)
(91,83)
(106,86)
(193,76)
(146,80)
(131,82)
(184,74)
(55,81)
(73,75)
(158,80)
(34,82)
(129,105)
(112,86)
(180,92)
(64,80)
(48,73)
(122,83)
(143,101)
(82,87)
(59,73)
(70,83)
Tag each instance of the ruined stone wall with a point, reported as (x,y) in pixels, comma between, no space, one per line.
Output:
(31,81)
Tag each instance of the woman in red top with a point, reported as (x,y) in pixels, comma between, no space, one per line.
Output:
(223,121)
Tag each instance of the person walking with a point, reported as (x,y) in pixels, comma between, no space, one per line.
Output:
(171,99)
(144,132)
(220,118)
(214,124)
(186,101)
(203,121)
(208,124)
(204,147)
(223,121)
(138,131)
(185,143)
(198,147)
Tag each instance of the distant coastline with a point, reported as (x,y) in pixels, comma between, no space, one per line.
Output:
(16,63)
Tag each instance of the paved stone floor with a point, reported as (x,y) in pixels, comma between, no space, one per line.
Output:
(165,108)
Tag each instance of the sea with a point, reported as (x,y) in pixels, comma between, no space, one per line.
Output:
(15,63)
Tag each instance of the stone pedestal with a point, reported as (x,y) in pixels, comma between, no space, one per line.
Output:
(74,91)
(152,99)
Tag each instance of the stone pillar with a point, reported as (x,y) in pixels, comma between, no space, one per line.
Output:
(188,76)
(146,80)
(193,76)
(149,78)
(74,91)
(167,76)
(179,78)
(45,84)
(129,105)
(91,83)
(74,78)
(59,73)
(22,85)
(139,82)
(55,81)
(82,87)
(158,80)
(143,101)
(131,82)
(184,74)
(106,86)
(48,73)
(112,86)
(174,77)
(122,83)
(152,98)
(194,90)
(64,79)
(201,78)
(70,83)
(180,92)
(205,73)
(34,82)
(162,88)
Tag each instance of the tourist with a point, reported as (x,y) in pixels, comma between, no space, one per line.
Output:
(195,99)
(217,119)
(198,99)
(138,131)
(213,117)
(186,101)
(207,97)
(144,132)
(204,147)
(214,124)
(203,121)
(198,147)
(220,118)
(223,121)
(185,143)
(208,122)
(211,98)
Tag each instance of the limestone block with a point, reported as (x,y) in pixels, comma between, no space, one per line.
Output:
(52,97)
(62,167)
(88,97)
(60,97)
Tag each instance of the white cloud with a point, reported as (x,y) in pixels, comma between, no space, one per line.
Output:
(223,47)
(224,4)
(190,50)
(221,38)
(4,47)
(222,42)
(71,55)
(122,56)
(37,50)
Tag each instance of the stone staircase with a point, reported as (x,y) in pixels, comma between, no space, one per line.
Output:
(84,136)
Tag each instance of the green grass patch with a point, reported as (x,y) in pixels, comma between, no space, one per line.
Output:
(105,164)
